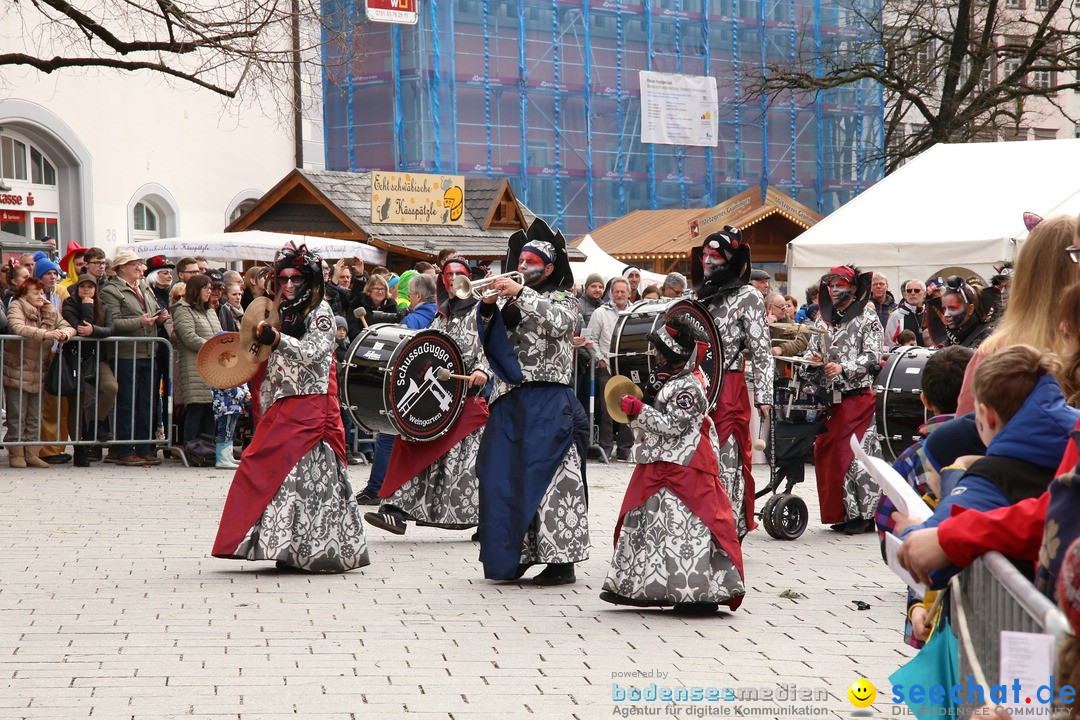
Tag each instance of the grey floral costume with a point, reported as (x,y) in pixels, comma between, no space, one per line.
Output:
(445,493)
(857,346)
(541,340)
(312,521)
(741,323)
(665,554)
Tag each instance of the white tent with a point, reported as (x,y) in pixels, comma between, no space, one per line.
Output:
(954,205)
(253,245)
(598,261)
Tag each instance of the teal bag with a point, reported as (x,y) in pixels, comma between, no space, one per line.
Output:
(938,663)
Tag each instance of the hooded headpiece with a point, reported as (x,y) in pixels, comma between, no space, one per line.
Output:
(733,274)
(987,302)
(550,246)
(860,281)
(679,340)
(294,312)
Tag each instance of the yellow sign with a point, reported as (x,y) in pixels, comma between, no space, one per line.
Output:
(412,199)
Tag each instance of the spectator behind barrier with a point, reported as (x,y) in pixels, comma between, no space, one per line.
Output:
(25,366)
(1022,418)
(195,322)
(91,319)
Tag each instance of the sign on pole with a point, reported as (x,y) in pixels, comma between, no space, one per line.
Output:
(402,12)
(678,109)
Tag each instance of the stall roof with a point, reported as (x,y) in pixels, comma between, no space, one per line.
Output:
(338,204)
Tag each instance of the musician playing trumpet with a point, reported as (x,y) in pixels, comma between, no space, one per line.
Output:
(531,470)
(434,482)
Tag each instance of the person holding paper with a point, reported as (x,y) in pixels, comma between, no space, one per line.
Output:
(1021,416)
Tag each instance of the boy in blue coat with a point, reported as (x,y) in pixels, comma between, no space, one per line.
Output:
(1021,416)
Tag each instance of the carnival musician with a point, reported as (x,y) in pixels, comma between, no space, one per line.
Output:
(850,351)
(675,542)
(434,482)
(291,500)
(738,310)
(531,463)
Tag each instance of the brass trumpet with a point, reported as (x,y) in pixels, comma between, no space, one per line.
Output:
(463,287)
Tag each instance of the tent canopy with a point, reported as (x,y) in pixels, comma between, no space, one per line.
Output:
(253,245)
(598,261)
(953,205)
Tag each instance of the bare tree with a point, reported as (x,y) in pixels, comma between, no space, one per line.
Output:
(951,70)
(225,46)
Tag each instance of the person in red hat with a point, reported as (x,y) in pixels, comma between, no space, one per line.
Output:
(849,350)
(73,263)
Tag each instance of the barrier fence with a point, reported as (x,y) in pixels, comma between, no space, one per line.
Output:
(122,404)
(990,596)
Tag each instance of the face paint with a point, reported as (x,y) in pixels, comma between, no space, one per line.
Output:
(291,282)
(451,271)
(840,291)
(711,261)
(531,266)
(955,311)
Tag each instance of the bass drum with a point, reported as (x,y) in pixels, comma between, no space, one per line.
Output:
(900,412)
(391,385)
(632,353)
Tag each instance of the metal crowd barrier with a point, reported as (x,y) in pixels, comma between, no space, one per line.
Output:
(118,428)
(590,410)
(989,596)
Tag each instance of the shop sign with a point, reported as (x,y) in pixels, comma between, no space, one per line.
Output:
(15,216)
(412,199)
(402,12)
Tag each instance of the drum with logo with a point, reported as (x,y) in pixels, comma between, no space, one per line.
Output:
(900,412)
(632,353)
(390,382)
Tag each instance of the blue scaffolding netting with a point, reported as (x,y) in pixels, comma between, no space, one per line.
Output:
(546,94)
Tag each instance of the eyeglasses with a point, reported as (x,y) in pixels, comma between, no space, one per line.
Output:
(914,290)
(96,262)
(293,277)
(1074,253)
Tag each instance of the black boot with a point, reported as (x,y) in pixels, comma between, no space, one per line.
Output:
(556,574)
(82,456)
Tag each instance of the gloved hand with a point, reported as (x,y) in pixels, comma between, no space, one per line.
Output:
(631,405)
(267,334)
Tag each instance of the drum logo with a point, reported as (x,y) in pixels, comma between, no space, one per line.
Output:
(422,405)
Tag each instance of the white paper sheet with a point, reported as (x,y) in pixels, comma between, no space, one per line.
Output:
(1029,658)
(892,546)
(893,484)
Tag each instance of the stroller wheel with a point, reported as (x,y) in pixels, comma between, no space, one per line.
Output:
(767,516)
(789,517)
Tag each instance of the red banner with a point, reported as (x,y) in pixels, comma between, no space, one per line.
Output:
(12,216)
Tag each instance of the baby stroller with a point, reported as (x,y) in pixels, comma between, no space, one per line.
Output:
(796,419)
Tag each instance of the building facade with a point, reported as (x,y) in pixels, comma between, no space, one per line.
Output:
(546,92)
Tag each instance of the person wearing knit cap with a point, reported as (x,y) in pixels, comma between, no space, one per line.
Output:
(531,463)
(434,482)
(720,270)
(850,351)
(53,412)
(675,541)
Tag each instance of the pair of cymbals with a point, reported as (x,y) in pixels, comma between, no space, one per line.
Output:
(232,358)
(616,387)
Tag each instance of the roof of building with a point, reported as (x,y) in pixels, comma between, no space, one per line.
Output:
(338,204)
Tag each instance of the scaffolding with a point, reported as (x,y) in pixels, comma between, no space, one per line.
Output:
(545,92)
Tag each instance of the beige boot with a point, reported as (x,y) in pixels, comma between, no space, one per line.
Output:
(15,456)
(32,459)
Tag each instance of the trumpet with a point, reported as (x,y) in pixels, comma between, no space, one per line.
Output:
(463,287)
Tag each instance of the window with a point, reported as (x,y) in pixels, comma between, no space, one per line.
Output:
(42,171)
(12,159)
(145,218)
(1015,4)
(1042,4)
(1042,79)
(240,210)
(1045,134)
(924,60)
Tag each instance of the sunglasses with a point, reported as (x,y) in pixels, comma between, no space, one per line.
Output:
(1074,253)
(295,277)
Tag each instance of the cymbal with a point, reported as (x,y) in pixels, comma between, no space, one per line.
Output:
(222,363)
(797,360)
(616,387)
(798,327)
(261,308)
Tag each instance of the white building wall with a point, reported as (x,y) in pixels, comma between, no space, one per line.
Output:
(141,133)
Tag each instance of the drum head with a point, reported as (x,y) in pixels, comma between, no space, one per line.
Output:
(632,353)
(418,404)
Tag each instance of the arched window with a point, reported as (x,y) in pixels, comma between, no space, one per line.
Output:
(152,214)
(240,210)
(20,160)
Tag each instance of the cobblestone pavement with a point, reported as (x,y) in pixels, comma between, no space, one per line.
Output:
(112,607)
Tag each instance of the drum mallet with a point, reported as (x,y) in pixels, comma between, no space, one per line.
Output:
(445,374)
(361,314)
